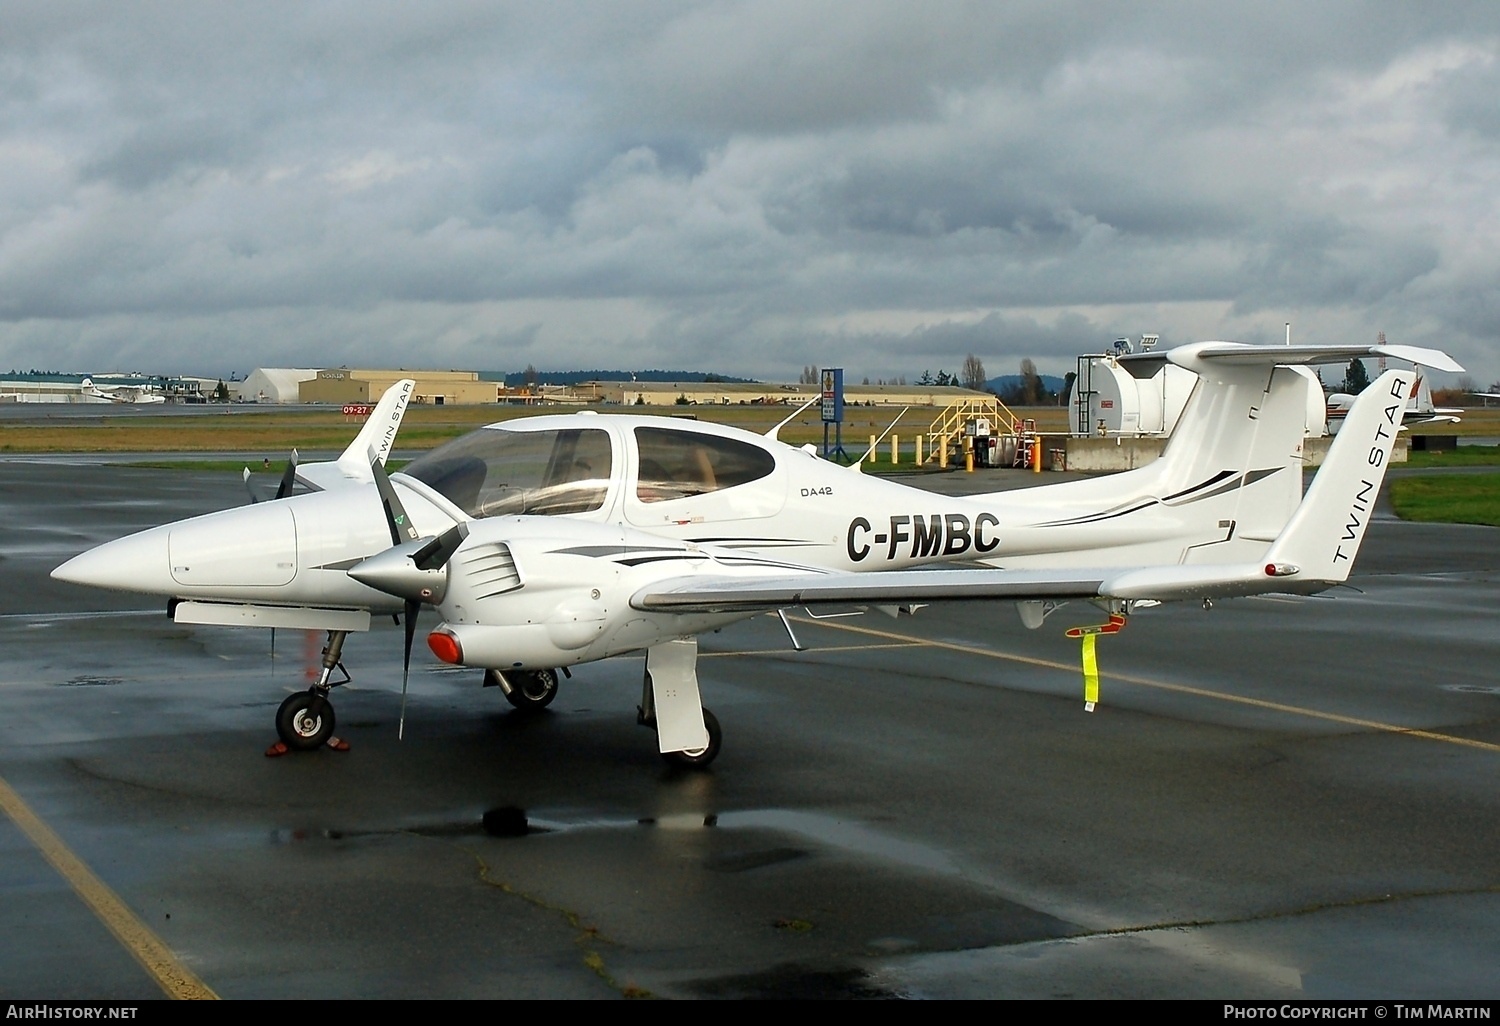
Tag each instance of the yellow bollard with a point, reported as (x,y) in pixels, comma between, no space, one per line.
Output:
(943,452)
(919,450)
(895,449)
(873,454)
(1036,455)
(968,455)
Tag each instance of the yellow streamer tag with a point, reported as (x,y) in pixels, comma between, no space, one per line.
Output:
(1090,673)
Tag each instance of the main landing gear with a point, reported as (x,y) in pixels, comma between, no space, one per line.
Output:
(305,720)
(687,734)
(527,690)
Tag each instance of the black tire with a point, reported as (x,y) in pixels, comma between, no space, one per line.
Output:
(531,690)
(701,757)
(305,721)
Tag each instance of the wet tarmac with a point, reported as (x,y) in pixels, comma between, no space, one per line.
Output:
(1276,799)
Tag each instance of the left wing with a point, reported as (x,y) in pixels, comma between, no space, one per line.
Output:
(1314,551)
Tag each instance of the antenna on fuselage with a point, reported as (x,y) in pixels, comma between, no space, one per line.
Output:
(771,434)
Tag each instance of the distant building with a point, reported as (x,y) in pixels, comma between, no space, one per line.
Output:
(355,385)
(272,384)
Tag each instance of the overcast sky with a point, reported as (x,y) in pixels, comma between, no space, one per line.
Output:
(740,187)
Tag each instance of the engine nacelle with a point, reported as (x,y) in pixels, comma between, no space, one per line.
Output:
(525,593)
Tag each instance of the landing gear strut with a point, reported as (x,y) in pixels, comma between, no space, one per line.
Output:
(305,720)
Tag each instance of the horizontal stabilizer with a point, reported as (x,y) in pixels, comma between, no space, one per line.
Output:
(1199,356)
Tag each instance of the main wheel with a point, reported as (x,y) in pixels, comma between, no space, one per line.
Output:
(698,758)
(305,721)
(531,689)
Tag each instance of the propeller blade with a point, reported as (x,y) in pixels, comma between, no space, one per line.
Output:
(436,553)
(288,477)
(409,621)
(396,519)
(246,478)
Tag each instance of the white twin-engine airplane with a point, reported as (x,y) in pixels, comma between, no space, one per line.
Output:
(554,541)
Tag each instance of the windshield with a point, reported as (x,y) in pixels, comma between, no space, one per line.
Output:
(497,472)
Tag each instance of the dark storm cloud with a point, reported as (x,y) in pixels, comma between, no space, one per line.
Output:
(730,186)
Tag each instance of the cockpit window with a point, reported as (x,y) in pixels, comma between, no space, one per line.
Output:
(677,464)
(497,472)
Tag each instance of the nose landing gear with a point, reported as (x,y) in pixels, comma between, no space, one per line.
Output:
(305,720)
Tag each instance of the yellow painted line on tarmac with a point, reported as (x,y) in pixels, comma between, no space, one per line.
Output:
(1160,685)
(174,978)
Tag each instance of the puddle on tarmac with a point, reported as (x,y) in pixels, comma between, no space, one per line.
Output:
(507,822)
(830,831)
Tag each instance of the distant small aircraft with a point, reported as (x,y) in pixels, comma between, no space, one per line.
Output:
(1419,407)
(554,541)
(139,395)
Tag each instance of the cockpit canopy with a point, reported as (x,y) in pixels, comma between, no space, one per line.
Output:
(552,471)
(495,472)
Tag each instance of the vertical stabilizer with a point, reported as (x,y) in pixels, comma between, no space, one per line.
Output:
(1249,421)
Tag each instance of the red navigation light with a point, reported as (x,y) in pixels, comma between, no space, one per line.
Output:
(445,646)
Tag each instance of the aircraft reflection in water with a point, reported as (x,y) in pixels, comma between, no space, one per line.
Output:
(555,541)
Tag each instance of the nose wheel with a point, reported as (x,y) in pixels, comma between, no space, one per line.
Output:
(305,721)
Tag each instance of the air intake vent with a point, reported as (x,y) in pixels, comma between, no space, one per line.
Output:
(490,569)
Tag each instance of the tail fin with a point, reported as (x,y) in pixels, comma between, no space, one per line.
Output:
(1241,433)
(1228,480)
(379,433)
(1323,536)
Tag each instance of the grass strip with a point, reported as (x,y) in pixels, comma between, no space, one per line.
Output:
(1463,456)
(1449,499)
